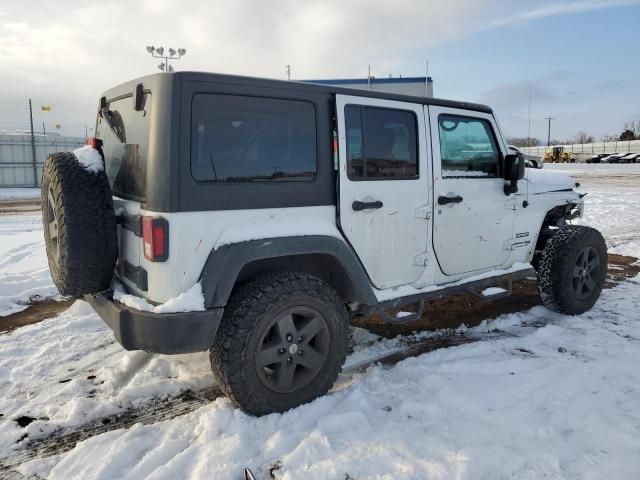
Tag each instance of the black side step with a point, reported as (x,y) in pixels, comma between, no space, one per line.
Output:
(470,288)
(507,286)
(405,318)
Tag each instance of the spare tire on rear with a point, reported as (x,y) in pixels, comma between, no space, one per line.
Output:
(79,225)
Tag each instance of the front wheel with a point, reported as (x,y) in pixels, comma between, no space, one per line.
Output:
(572,269)
(282,342)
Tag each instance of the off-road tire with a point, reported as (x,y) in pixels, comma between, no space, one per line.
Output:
(247,316)
(83,255)
(556,269)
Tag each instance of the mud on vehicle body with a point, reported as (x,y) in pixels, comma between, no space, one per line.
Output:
(298,207)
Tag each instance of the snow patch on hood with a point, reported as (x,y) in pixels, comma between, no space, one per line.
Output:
(541,181)
(89,158)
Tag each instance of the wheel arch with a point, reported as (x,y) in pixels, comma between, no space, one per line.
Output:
(327,258)
(555,216)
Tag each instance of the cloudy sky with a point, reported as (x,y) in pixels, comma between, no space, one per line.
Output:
(581,57)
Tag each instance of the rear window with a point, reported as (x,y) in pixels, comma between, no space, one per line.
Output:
(248,139)
(381,143)
(125,136)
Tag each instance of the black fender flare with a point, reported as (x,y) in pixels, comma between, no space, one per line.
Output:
(224,264)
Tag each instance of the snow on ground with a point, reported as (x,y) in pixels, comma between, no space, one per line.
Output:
(24,274)
(612,203)
(69,370)
(557,397)
(19,193)
(558,401)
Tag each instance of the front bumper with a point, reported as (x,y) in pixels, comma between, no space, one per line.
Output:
(169,333)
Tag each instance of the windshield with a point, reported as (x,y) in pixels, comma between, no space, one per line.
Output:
(125,136)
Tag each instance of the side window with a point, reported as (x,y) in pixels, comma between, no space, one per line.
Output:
(249,139)
(381,143)
(467,147)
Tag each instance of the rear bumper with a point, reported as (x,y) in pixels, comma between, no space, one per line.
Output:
(168,333)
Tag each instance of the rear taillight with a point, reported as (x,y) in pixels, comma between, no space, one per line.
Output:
(93,142)
(155,239)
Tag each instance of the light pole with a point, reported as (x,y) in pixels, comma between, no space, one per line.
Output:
(170,54)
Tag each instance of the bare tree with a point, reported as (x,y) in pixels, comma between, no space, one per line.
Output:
(524,141)
(583,137)
(634,127)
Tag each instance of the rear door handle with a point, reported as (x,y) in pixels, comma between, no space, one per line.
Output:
(447,200)
(357,205)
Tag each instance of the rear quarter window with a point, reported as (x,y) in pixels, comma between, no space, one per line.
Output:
(252,139)
(125,142)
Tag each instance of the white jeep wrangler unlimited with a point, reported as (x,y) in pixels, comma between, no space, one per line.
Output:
(296,207)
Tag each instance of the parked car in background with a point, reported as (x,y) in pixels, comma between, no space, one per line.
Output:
(597,158)
(630,158)
(529,160)
(613,158)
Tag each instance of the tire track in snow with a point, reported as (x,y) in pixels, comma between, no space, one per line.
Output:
(62,441)
(162,409)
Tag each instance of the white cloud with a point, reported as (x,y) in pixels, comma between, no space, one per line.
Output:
(66,53)
(560,8)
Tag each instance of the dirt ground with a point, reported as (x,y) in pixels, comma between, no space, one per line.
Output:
(19,206)
(454,311)
(35,313)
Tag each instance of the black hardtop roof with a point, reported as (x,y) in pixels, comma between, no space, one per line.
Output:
(295,85)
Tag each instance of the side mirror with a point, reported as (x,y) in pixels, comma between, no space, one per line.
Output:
(513,171)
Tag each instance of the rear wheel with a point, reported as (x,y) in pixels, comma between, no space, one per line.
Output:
(572,269)
(281,343)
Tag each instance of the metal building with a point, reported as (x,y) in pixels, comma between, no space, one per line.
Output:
(416,86)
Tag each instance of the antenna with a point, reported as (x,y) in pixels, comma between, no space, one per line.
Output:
(529,134)
(426,80)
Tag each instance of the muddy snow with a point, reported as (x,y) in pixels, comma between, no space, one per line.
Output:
(531,394)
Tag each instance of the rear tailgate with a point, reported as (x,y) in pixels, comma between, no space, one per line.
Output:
(124,132)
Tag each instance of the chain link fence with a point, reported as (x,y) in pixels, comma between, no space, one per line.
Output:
(583,150)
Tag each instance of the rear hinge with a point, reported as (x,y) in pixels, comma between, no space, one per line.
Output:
(423,212)
(421,259)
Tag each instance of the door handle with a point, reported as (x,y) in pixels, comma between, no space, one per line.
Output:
(447,200)
(357,205)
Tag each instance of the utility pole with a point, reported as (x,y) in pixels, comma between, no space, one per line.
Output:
(33,147)
(529,134)
(44,130)
(549,131)
(288,67)
(369,78)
